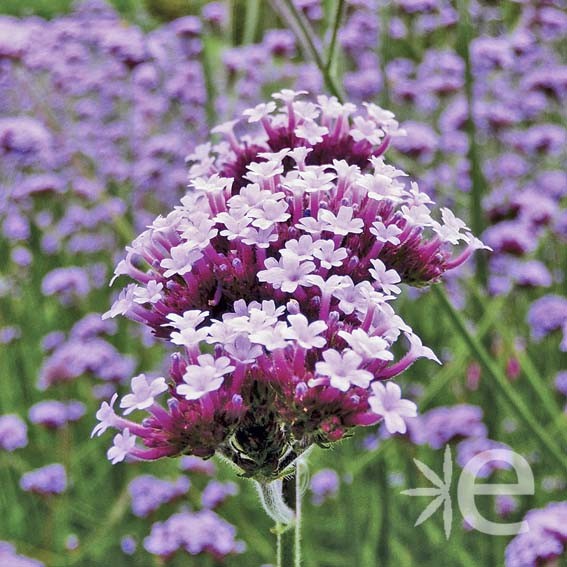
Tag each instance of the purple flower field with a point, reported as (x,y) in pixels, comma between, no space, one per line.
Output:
(283,283)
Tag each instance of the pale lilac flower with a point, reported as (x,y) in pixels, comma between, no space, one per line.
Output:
(207,376)
(385,279)
(343,370)
(123,445)
(307,335)
(341,224)
(287,274)
(328,255)
(149,294)
(144,390)
(182,259)
(106,417)
(387,402)
(366,346)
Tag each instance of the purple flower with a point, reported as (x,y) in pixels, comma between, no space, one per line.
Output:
(193,464)
(13,432)
(194,533)
(148,493)
(215,493)
(561,382)
(545,539)
(74,358)
(283,258)
(48,480)
(128,545)
(440,425)
(66,283)
(546,315)
(324,485)
(474,446)
(9,557)
(54,414)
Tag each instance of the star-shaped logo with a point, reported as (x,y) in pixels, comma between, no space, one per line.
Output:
(441,490)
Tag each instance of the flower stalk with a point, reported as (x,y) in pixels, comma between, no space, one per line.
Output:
(272,500)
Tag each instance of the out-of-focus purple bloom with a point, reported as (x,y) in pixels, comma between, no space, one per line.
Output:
(13,432)
(24,140)
(216,492)
(77,357)
(442,424)
(561,382)
(215,13)
(9,334)
(148,493)
(512,237)
(128,545)
(48,480)
(195,533)
(191,463)
(324,485)
(475,446)
(10,558)
(67,283)
(72,542)
(54,414)
(544,541)
(52,340)
(546,315)
(505,505)
(420,143)
(90,326)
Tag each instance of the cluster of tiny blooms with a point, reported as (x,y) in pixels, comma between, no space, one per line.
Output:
(275,276)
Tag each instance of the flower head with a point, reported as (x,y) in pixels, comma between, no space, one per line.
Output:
(274,276)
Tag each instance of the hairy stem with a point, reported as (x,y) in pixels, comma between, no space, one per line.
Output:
(301,476)
(279,535)
(273,502)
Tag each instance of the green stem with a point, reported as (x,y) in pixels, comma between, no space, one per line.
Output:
(279,532)
(465,37)
(300,471)
(252,19)
(271,497)
(305,34)
(500,382)
(336,25)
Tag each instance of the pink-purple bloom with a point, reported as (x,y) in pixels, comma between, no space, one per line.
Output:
(275,276)
(545,540)
(13,432)
(47,480)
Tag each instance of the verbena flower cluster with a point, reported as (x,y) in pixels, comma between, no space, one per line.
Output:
(275,276)
(544,542)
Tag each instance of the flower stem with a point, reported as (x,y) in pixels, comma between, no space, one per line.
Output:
(465,37)
(336,25)
(301,475)
(279,532)
(305,33)
(271,497)
(500,381)
(297,528)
